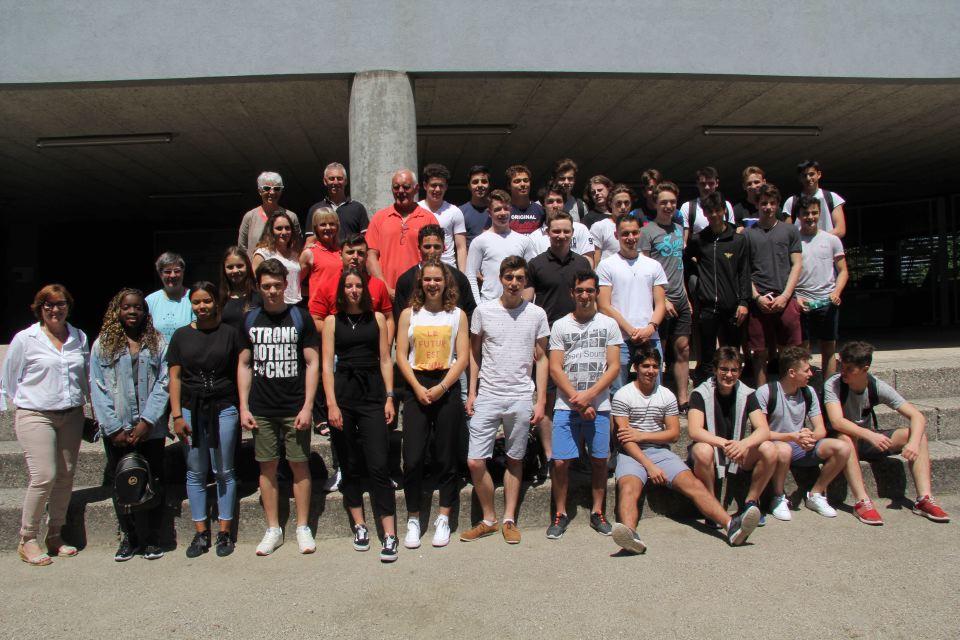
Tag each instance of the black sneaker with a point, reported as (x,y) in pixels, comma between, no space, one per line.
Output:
(200,544)
(127,549)
(361,539)
(224,544)
(742,525)
(599,524)
(543,473)
(558,527)
(684,408)
(389,551)
(152,552)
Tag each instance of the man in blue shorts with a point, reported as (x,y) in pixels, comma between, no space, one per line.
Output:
(787,404)
(647,422)
(584,361)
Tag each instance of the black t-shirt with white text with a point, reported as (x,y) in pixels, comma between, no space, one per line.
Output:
(279,369)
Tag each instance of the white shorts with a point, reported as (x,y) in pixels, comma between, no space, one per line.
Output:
(488,412)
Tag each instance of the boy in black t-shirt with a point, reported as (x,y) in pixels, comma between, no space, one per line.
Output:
(278,374)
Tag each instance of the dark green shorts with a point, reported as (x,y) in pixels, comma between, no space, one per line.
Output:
(269,433)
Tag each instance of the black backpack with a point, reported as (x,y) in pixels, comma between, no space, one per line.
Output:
(795,206)
(691,214)
(133,484)
(873,395)
(773,393)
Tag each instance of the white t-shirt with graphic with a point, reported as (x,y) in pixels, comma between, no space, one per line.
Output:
(584,349)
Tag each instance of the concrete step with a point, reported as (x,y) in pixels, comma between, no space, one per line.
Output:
(91,519)
(937,379)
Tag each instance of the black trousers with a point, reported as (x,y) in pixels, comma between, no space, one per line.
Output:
(150,520)
(444,421)
(715,325)
(363,446)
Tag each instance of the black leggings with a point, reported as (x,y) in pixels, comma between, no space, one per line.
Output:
(444,419)
(715,326)
(363,444)
(151,518)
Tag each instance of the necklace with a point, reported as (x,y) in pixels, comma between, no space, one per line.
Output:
(353,325)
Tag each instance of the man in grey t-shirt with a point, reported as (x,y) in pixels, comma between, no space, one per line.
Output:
(822,278)
(787,404)
(662,240)
(849,398)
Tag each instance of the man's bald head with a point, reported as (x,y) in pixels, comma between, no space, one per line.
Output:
(405,188)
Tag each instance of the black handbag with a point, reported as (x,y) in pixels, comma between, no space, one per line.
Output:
(133,483)
(91,430)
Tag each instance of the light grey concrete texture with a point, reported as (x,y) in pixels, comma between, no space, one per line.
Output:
(383,134)
(64,41)
(844,580)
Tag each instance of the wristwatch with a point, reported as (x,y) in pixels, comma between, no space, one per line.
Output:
(655,325)
(391,394)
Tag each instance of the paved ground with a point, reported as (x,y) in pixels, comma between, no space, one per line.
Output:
(810,577)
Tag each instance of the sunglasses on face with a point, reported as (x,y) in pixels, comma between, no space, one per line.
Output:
(268,189)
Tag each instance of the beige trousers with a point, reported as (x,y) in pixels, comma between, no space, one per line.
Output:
(51,444)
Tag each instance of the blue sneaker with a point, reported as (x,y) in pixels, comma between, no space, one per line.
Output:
(763,517)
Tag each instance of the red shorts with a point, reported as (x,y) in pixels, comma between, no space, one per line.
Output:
(781,328)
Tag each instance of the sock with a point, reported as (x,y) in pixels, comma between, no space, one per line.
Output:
(506,520)
(489,523)
(446,519)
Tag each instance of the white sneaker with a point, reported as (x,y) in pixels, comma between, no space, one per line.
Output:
(272,540)
(441,532)
(780,508)
(332,483)
(305,540)
(818,502)
(412,539)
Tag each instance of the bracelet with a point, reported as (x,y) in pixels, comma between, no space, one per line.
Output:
(176,417)
(444,387)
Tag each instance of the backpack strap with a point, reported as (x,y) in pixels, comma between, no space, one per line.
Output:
(250,318)
(773,396)
(691,213)
(296,314)
(828,198)
(873,394)
(581,209)
(807,400)
(794,208)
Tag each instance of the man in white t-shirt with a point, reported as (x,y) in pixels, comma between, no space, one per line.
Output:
(823,275)
(633,293)
(694,218)
(604,232)
(584,361)
(832,217)
(581,242)
(507,336)
(436,177)
(491,247)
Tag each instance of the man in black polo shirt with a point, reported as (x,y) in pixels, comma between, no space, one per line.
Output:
(549,278)
(430,242)
(353,215)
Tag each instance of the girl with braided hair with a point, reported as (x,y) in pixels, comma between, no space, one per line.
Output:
(129,392)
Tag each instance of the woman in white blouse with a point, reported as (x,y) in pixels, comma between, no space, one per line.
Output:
(45,376)
(281,240)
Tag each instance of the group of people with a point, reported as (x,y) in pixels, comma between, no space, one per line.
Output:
(505,313)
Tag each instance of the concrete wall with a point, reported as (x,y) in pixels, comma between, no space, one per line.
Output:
(104,40)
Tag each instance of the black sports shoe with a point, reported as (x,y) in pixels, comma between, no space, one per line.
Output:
(742,525)
(224,544)
(558,526)
(200,544)
(683,409)
(152,552)
(389,551)
(599,524)
(361,539)
(127,549)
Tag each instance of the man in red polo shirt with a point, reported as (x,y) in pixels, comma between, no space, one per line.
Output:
(323,301)
(393,231)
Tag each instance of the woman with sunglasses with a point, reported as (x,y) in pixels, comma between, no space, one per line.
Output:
(203,402)
(44,375)
(169,306)
(433,349)
(129,393)
(360,405)
(238,288)
(270,188)
(281,240)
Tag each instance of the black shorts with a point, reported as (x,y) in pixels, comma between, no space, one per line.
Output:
(869,453)
(821,324)
(682,325)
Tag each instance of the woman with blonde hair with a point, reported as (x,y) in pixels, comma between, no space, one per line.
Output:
(45,377)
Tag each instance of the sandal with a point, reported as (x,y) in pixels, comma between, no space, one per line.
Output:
(57,547)
(39,560)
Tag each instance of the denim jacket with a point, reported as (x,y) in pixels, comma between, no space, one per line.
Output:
(113,396)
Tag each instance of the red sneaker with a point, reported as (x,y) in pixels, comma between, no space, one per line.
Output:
(928,508)
(866,513)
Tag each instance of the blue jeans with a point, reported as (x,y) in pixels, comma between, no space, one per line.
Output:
(626,350)
(201,457)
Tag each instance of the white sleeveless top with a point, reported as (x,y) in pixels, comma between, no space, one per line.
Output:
(433,339)
(291,295)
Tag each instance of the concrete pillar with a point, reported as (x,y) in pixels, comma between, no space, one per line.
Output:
(383,134)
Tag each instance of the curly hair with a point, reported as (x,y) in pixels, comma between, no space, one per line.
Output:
(113,340)
(269,241)
(451,293)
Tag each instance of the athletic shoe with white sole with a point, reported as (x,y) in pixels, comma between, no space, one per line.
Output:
(272,539)
(818,502)
(742,525)
(627,539)
(361,538)
(412,539)
(441,531)
(389,551)
(305,540)
(780,508)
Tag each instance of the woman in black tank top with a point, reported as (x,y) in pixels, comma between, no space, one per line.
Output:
(360,405)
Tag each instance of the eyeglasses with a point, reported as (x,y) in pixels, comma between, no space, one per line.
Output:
(50,306)
(268,189)
(171,272)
